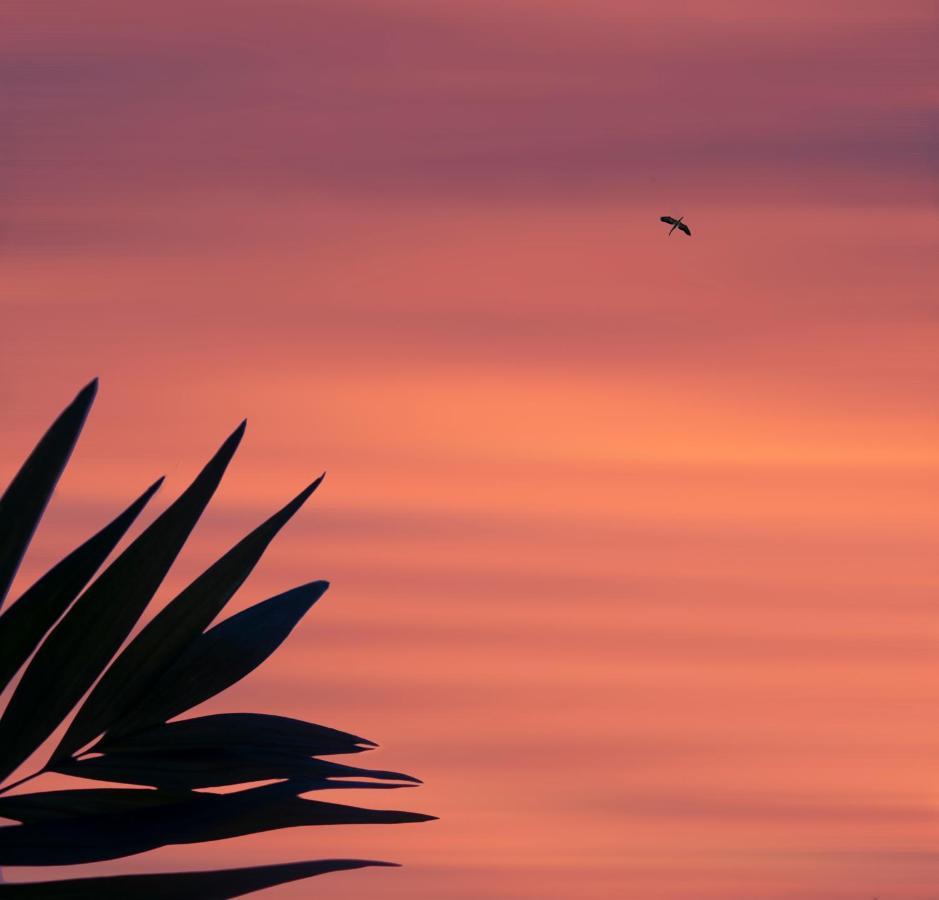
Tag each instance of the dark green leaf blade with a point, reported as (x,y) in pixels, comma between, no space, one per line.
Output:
(203,817)
(223,656)
(25,623)
(51,806)
(84,641)
(215,767)
(213,885)
(161,641)
(25,500)
(241,731)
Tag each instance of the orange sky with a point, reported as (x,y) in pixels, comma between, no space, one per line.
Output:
(632,538)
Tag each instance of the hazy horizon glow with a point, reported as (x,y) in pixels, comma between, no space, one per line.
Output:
(631,538)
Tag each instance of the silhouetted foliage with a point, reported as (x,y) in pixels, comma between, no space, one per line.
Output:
(68,630)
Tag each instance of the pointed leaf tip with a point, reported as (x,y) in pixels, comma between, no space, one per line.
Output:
(305,494)
(90,390)
(150,491)
(236,436)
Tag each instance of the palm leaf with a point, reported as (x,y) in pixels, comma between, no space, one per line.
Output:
(217,885)
(216,766)
(25,500)
(242,730)
(222,656)
(68,662)
(25,623)
(202,817)
(50,806)
(132,674)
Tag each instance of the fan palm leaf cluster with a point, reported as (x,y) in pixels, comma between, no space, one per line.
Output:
(68,634)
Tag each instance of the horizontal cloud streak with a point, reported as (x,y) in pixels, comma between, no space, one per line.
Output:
(365,97)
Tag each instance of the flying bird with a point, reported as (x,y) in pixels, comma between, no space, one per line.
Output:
(676,223)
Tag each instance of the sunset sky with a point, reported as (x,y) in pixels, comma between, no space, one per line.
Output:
(632,538)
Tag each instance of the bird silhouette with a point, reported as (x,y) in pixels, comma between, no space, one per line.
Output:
(676,223)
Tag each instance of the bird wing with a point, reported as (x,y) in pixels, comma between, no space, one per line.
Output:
(668,220)
(683,227)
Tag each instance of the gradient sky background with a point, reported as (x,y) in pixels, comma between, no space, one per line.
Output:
(632,538)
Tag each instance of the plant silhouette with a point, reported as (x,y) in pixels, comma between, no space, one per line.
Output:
(68,631)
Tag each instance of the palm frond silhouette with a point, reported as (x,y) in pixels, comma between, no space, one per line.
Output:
(68,631)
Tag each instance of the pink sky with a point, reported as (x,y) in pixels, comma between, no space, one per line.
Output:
(632,538)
